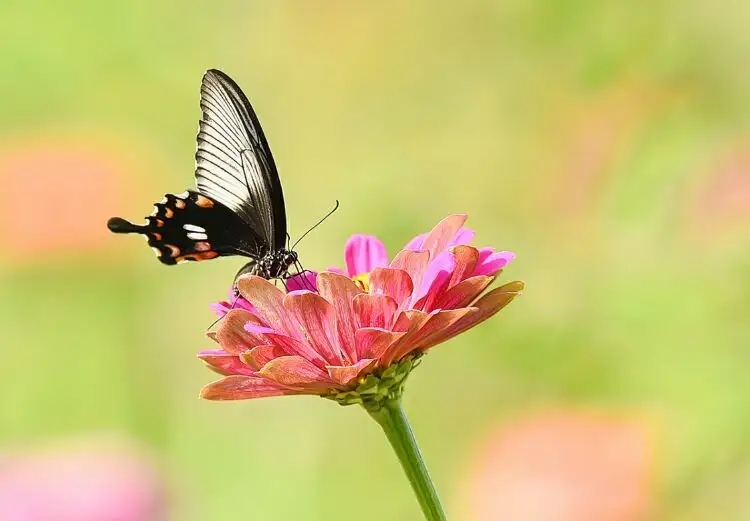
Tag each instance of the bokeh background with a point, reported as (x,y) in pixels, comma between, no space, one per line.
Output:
(606,143)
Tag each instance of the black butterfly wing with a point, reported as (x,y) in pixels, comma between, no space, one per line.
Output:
(234,165)
(191,227)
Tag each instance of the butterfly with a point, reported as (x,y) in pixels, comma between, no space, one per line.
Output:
(238,207)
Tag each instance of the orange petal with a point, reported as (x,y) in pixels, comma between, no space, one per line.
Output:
(414,263)
(224,363)
(344,375)
(395,283)
(242,388)
(340,292)
(443,232)
(463,293)
(314,319)
(297,373)
(431,332)
(374,310)
(373,342)
(268,302)
(232,335)
(466,258)
(487,306)
(410,322)
(259,356)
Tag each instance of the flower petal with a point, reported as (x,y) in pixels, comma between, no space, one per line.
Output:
(429,332)
(374,310)
(344,374)
(364,253)
(463,293)
(463,237)
(297,373)
(414,263)
(491,262)
(416,243)
(268,301)
(290,346)
(393,282)
(224,363)
(233,336)
(259,356)
(409,322)
(443,234)
(435,281)
(243,388)
(305,280)
(487,306)
(340,292)
(373,342)
(315,322)
(465,258)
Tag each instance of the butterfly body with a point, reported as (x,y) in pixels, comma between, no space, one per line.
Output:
(238,206)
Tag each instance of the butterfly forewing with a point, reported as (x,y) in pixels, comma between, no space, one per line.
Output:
(234,164)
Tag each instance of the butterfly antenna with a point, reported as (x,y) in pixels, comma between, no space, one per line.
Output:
(335,207)
(234,302)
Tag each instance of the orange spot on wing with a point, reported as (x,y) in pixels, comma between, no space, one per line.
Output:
(206,255)
(180,204)
(204,202)
(173,249)
(202,246)
(156,236)
(159,223)
(168,213)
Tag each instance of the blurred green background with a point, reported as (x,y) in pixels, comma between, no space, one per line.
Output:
(606,143)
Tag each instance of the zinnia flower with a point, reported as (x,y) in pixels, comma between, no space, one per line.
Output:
(353,335)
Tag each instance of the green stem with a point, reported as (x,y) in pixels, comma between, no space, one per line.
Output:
(392,419)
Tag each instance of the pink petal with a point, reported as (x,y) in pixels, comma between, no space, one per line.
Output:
(465,258)
(338,271)
(487,306)
(259,356)
(364,253)
(243,388)
(340,292)
(290,346)
(463,237)
(269,303)
(224,363)
(443,233)
(374,310)
(392,282)
(306,280)
(463,293)
(416,243)
(297,373)
(315,321)
(232,335)
(435,281)
(344,374)
(491,262)
(414,263)
(373,342)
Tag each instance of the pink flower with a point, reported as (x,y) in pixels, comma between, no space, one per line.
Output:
(359,333)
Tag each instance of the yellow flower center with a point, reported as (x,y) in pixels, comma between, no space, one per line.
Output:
(362,281)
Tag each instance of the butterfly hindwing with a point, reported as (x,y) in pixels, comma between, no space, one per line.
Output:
(234,164)
(191,227)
